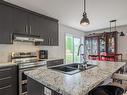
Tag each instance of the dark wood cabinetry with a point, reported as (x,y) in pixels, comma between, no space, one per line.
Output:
(49,32)
(34,24)
(20,22)
(8,80)
(6,29)
(55,62)
(101,44)
(14,19)
(36,88)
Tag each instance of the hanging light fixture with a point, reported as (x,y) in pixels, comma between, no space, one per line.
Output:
(120,33)
(84,21)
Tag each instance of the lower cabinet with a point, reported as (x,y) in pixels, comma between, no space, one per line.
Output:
(55,62)
(8,80)
(36,88)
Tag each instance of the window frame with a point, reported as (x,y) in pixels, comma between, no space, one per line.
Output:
(73,36)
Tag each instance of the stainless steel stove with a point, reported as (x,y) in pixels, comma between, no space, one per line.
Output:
(26,61)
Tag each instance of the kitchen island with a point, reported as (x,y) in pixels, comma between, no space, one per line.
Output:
(77,84)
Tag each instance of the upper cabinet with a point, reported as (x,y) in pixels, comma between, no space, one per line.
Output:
(49,32)
(34,24)
(14,19)
(20,22)
(6,29)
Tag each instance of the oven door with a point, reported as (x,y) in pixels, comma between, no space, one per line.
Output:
(23,80)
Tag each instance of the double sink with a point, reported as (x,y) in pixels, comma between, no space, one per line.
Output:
(71,69)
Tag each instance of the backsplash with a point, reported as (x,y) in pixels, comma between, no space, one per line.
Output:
(5,50)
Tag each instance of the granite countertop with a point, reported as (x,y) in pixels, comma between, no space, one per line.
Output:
(7,64)
(77,84)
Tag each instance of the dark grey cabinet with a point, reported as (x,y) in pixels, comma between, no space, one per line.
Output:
(6,29)
(55,62)
(34,24)
(14,19)
(25,23)
(45,33)
(20,21)
(54,33)
(49,32)
(8,80)
(36,88)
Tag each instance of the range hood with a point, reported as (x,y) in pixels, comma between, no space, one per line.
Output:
(26,38)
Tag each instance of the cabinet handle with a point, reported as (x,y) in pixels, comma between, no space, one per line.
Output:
(5,78)
(11,37)
(26,29)
(30,29)
(49,41)
(6,69)
(5,87)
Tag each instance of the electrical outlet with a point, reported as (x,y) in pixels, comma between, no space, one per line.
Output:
(47,91)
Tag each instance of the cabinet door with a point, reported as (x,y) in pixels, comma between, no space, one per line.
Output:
(94,46)
(55,62)
(5,24)
(54,35)
(34,24)
(44,31)
(20,21)
(8,80)
(49,32)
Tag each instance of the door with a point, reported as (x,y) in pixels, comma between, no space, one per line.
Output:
(5,24)
(69,48)
(72,47)
(20,21)
(34,24)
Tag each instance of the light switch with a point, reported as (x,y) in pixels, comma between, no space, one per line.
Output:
(47,91)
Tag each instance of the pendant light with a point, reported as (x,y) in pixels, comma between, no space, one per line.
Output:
(120,33)
(84,21)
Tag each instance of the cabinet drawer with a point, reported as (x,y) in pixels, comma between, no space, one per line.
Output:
(54,62)
(5,72)
(5,81)
(6,90)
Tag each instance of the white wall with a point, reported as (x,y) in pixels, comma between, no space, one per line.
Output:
(59,51)
(54,51)
(122,41)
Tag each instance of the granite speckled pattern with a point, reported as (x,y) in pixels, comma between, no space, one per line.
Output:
(77,84)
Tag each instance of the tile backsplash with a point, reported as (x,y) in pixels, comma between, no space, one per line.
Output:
(5,50)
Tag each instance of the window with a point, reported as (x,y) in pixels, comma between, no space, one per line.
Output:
(72,45)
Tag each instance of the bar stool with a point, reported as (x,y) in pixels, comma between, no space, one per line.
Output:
(107,90)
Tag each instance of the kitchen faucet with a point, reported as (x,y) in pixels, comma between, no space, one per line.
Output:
(84,65)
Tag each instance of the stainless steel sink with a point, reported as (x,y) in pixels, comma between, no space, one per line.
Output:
(64,68)
(71,68)
(76,65)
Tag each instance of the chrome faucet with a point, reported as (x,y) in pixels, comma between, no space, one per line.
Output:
(84,64)
(79,49)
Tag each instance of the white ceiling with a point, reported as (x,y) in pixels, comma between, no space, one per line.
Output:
(69,12)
